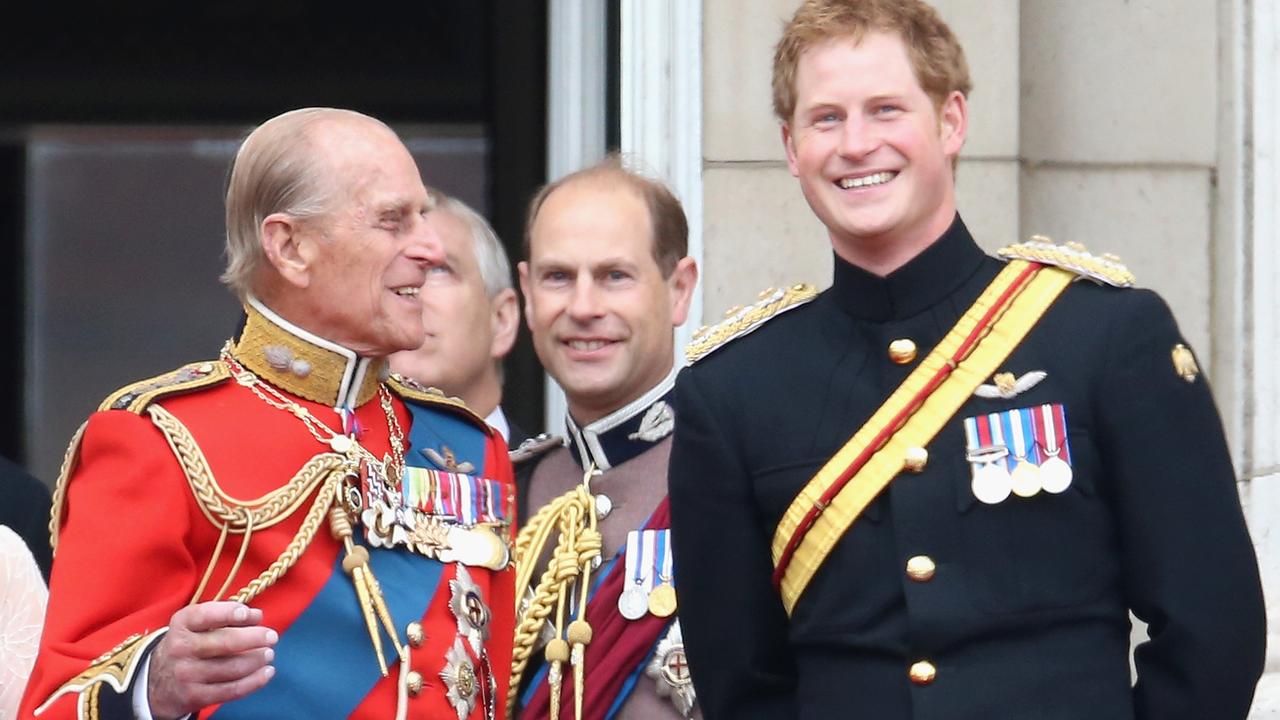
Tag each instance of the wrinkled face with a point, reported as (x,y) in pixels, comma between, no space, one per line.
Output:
(456,313)
(600,311)
(872,153)
(369,256)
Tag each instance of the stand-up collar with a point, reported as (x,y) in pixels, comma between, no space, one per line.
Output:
(627,431)
(302,363)
(923,282)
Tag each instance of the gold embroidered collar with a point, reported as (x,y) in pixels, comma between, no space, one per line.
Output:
(305,364)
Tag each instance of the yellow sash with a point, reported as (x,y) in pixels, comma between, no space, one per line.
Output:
(973,349)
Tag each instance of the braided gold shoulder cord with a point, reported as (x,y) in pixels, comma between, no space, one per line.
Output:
(233,516)
(577,551)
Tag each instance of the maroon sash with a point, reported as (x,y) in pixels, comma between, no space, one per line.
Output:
(618,645)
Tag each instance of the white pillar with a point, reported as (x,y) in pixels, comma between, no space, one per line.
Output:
(576,65)
(661,113)
(1258,399)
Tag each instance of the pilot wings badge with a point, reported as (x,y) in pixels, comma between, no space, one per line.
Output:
(1008,386)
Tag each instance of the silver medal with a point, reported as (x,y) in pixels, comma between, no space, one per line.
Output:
(1055,475)
(992,484)
(633,603)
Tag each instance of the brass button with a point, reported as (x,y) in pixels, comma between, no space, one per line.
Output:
(915,459)
(923,672)
(902,351)
(921,568)
(415,633)
(413,681)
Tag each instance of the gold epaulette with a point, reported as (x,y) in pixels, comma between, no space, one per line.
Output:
(136,397)
(1071,256)
(116,668)
(406,388)
(739,321)
(534,447)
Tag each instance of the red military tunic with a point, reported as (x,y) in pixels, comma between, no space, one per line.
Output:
(141,526)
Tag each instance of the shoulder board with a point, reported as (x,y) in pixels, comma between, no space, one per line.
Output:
(408,389)
(1072,256)
(534,447)
(739,321)
(136,397)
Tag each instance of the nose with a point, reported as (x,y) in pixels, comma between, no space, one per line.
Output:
(425,245)
(584,303)
(857,138)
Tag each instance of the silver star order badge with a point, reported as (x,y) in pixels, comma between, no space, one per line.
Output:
(670,670)
(459,676)
(469,608)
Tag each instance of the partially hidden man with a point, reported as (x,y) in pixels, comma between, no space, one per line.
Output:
(606,281)
(937,489)
(286,530)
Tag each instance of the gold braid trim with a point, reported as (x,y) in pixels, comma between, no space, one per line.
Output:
(306,533)
(739,321)
(219,507)
(576,549)
(231,515)
(60,491)
(1072,256)
(116,667)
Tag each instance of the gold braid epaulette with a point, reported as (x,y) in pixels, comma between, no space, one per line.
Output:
(136,397)
(407,388)
(739,321)
(116,668)
(1072,256)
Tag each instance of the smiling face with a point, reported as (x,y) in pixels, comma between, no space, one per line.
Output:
(600,311)
(466,330)
(871,151)
(360,266)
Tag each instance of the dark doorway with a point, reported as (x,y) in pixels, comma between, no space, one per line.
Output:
(119,103)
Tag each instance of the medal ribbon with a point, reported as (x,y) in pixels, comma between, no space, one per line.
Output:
(467,500)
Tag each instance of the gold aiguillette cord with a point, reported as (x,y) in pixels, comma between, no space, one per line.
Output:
(372,605)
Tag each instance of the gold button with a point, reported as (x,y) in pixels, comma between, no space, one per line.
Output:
(902,351)
(416,636)
(921,568)
(915,459)
(923,672)
(413,681)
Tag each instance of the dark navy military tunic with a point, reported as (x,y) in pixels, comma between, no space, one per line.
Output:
(1026,615)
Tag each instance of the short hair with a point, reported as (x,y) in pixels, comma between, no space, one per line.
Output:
(278,169)
(936,55)
(666,214)
(491,257)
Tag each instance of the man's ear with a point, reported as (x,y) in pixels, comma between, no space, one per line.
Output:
(286,248)
(505,319)
(789,145)
(523,270)
(681,284)
(953,123)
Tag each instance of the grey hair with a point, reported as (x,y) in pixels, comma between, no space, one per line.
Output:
(495,268)
(278,169)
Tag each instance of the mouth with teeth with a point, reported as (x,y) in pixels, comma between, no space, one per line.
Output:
(586,348)
(407,291)
(863,181)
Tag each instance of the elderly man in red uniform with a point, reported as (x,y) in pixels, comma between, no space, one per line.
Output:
(287,530)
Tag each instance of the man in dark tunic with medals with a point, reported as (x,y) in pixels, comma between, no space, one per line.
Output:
(936,490)
(606,281)
(286,530)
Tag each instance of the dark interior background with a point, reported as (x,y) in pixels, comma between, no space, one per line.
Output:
(131,86)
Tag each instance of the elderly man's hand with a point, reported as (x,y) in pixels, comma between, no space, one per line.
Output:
(214,652)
